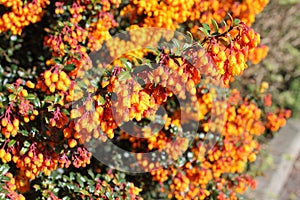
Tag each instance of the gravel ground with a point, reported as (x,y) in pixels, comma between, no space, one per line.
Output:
(291,190)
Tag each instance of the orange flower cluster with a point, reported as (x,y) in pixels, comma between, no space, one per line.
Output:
(11,187)
(170,14)
(56,80)
(9,127)
(243,123)
(21,14)
(32,159)
(88,118)
(277,120)
(137,104)
(39,159)
(81,158)
(258,54)
(74,41)
(29,165)
(136,47)
(246,10)
(134,191)
(5,156)
(166,14)
(59,119)
(230,55)
(68,40)
(75,109)
(240,183)
(98,31)
(238,147)
(132,102)
(19,105)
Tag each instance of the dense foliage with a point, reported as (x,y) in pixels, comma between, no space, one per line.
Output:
(53,103)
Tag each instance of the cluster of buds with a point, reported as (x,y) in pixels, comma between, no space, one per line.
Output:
(21,14)
(54,80)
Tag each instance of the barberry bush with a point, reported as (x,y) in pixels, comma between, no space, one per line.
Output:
(78,78)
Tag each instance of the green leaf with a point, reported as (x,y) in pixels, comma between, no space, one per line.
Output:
(49,98)
(154,50)
(230,16)
(66,111)
(236,22)
(56,99)
(101,100)
(11,97)
(51,108)
(69,67)
(65,178)
(191,38)
(19,89)
(72,174)
(23,150)
(80,180)
(223,23)
(204,31)
(5,178)
(149,63)
(91,173)
(4,169)
(137,59)
(37,187)
(185,46)
(3,191)
(206,27)
(124,75)
(26,144)
(30,97)
(56,190)
(77,188)
(10,87)
(8,59)
(57,60)
(215,24)
(11,143)
(36,102)
(60,23)
(70,186)
(157,59)
(24,132)
(95,82)
(86,193)
(126,63)
(176,43)
(91,188)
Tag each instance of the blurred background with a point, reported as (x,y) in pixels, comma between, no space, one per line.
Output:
(279,26)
